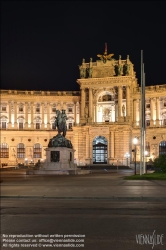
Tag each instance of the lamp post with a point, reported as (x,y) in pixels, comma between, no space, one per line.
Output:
(127,155)
(135,141)
(26,161)
(146,154)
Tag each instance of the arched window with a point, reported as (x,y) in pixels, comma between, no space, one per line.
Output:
(3,122)
(21,150)
(4,150)
(37,151)
(162,148)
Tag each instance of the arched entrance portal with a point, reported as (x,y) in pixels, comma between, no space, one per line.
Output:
(100,150)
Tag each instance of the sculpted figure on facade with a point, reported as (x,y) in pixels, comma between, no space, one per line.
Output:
(126,69)
(86,112)
(123,109)
(82,72)
(118,70)
(90,71)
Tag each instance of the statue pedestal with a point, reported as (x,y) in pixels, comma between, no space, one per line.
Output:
(59,158)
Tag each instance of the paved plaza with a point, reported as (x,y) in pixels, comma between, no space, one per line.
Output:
(111,212)
(98,184)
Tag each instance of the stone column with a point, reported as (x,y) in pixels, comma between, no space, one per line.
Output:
(157,111)
(9,123)
(116,111)
(134,111)
(82,102)
(112,143)
(26,115)
(90,103)
(151,112)
(87,148)
(138,112)
(32,124)
(128,101)
(94,112)
(75,113)
(15,114)
(101,113)
(48,116)
(78,115)
(42,125)
(119,103)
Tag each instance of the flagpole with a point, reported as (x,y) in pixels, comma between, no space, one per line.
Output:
(144,160)
(142,118)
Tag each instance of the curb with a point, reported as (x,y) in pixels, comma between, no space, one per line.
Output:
(141,198)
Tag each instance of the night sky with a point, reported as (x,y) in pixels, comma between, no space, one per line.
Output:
(43,42)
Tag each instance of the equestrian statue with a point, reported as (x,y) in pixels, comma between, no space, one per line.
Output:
(60,123)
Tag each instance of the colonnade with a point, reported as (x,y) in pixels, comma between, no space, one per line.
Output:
(93,104)
(154,114)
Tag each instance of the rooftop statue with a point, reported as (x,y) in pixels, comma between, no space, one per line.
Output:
(105,57)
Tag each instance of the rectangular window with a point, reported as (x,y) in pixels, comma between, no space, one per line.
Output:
(53,126)
(148,105)
(37,153)
(70,125)
(3,125)
(20,109)
(147,123)
(4,154)
(164,104)
(70,110)
(4,109)
(20,125)
(21,155)
(37,110)
(37,125)
(53,110)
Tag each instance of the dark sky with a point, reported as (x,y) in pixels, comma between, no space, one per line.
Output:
(43,42)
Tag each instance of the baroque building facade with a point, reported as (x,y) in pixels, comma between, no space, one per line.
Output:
(103,117)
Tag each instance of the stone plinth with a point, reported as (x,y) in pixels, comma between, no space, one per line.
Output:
(59,158)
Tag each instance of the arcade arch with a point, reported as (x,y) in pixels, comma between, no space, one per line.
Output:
(105,107)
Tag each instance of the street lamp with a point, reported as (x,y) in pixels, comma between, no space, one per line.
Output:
(135,141)
(146,154)
(127,155)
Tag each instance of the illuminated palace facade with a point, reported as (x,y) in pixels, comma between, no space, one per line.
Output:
(103,117)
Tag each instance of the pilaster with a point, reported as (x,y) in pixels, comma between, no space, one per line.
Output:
(119,103)
(127,102)
(9,123)
(15,115)
(32,124)
(48,116)
(42,125)
(26,115)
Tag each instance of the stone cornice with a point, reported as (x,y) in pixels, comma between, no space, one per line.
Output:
(106,80)
(32,93)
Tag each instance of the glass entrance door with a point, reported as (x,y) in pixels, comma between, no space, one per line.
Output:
(100,153)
